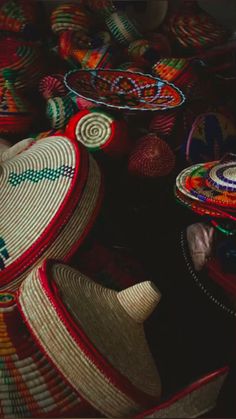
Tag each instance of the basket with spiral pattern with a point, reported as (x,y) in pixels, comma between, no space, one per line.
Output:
(98,344)
(60,189)
(99,131)
(209,188)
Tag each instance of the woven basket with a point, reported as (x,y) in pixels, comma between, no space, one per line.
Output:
(15,113)
(59,110)
(151,157)
(94,336)
(50,193)
(52,86)
(30,385)
(70,16)
(17,16)
(99,131)
(25,58)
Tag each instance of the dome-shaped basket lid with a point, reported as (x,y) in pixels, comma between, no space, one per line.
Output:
(210,183)
(94,336)
(49,194)
(30,385)
(124,89)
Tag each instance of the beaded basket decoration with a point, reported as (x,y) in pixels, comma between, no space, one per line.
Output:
(60,190)
(17,16)
(212,135)
(15,114)
(30,385)
(122,28)
(23,57)
(59,110)
(98,344)
(151,157)
(70,16)
(98,130)
(124,90)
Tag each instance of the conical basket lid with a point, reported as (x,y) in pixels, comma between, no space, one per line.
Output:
(94,336)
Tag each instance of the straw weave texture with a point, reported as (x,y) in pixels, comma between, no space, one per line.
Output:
(118,338)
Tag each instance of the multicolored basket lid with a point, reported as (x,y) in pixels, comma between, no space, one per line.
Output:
(30,385)
(99,130)
(212,135)
(98,343)
(211,187)
(50,194)
(24,57)
(124,90)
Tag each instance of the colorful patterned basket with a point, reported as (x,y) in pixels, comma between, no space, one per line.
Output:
(122,28)
(15,113)
(99,131)
(98,344)
(194,30)
(124,90)
(23,57)
(212,135)
(98,53)
(30,385)
(209,188)
(151,157)
(70,16)
(52,86)
(18,16)
(60,190)
(59,111)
